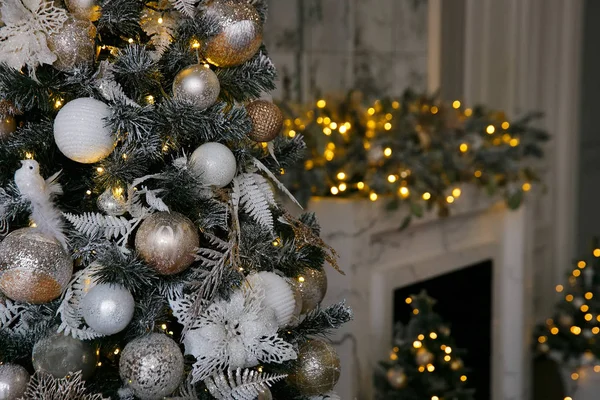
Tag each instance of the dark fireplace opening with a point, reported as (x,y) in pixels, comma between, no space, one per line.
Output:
(464,301)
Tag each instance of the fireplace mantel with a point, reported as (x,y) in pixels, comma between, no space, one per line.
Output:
(378,258)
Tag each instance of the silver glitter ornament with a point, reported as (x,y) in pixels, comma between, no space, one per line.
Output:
(167,242)
(240,34)
(265,394)
(197,84)
(107,309)
(34,267)
(59,355)
(396,377)
(152,366)
(112,202)
(214,163)
(84,9)
(13,381)
(312,285)
(317,369)
(8,125)
(73,44)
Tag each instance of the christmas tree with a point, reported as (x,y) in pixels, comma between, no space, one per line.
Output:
(424,362)
(570,336)
(145,251)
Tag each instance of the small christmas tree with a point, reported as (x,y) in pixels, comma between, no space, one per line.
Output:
(424,363)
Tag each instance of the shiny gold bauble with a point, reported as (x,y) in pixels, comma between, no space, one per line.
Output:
(73,44)
(267,120)
(312,285)
(240,33)
(84,9)
(167,242)
(317,369)
(396,377)
(8,125)
(34,267)
(424,357)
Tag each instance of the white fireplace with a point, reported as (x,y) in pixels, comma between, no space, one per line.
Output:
(378,258)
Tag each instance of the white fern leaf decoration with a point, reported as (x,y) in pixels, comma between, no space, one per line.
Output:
(243,385)
(44,386)
(255,197)
(153,200)
(184,6)
(10,317)
(91,224)
(276,181)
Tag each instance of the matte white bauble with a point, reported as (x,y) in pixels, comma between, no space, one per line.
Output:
(81,131)
(279,296)
(214,163)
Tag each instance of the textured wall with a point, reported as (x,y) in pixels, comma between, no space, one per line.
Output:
(325,46)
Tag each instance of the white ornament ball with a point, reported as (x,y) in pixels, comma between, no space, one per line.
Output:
(81,131)
(108,309)
(279,296)
(13,381)
(197,84)
(214,163)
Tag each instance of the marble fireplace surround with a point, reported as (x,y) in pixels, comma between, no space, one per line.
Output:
(377,259)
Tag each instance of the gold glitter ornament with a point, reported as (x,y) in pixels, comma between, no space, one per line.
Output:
(317,369)
(73,44)
(34,267)
(84,9)
(312,285)
(396,377)
(240,34)
(8,125)
(267,120)
(167,242)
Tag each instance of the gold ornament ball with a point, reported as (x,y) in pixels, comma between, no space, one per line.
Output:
(267,120)
(240,34)
(84,9)
(424,357)
(317,369)
(34,267)
(264,394)
(167,242)
(73,44)
(8,125)
(396,377)
(312,285)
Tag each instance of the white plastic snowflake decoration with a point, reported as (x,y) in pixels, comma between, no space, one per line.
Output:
(238,333)
(23,41)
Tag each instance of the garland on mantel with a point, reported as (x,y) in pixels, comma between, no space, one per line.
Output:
(415,149)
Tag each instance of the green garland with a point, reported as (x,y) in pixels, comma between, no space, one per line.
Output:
(416,150)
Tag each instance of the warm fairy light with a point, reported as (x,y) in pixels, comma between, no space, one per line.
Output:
(327,131)
(371,111)
(331,146)
(588,317)
(333,125)
(392,178)
(450,199)
(416,311)
(58,103)
(581,264)
(32,224)
(329,155)
(464,147)
(542,339)
(292,133)
(88,192)
(426,196)
(116,351)
(506,138)
(341,176)
(195,44)
(584,308)
(319,120)
(301,279)
(505,125)
(576,273)
(490,129)
(165,148)
(559,288)
(448,350)
(596,252)
(371,124)
(434,110)
(574,376)
(29,155)
(99,363)
(463,378)
(443,347)
(343,129)
(404,192)
(163,327)
(569,298)
(468,112)
(435,398)
(595,330)
(589,295)
(393,356)
(334,190)
(514,142)
(373,196)
(342,187)
(417,344)
(456,104)
(396,349)
(575,330)
(395,105)
(321,103)
(405,173)
(387,152)
(433,335)
(526,187)
(421,337)
(447,358)
(408,300)
(130,40)
(326,120)
(477,174)
(100,170)
(554,330)
(389,116)
(568,398)
(387,126)
(360,185)
(421,368)
(160,20)
(456,192)
(430,367)
(596,368)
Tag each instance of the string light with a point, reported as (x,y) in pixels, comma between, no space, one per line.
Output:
(416,311)
(456,192)
(463,378)
(321,103)
(195,44)
(430,367)
(334,190)
(450,199)
(526,187)
(559,288)
(373,196)
(426,196)
(514,142)
(542,339)
(387,126)
(408,300)
(371,124)
(468,112)
(389,116)
(333,125)
(160,20)
(574,376)
(343,129)
(596,368)
(477,174)
(342,187)
(88,192)
(326,120)
(395,105)
(581,264)
(393,356)
(589,295)
(292,133)
(421,337)
(387,152)
(584,308)
(435,398)
(404,192)
(569,298)
(464,147)
(392,178)
(505,125)
(448,350)
(58,103)
(490,129)
(371,111)
(319,120)
(130,40)
(595,330)
(576,273)
(29,155)
(456,104)
(327,131)
(596,252)
(116,351)
(360,185)
(554,330)
(417,344)
(341,176)
(447,358)
(433,335)
(434,110)
(575,330)
(588,317)
(421,368)
(100,170)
